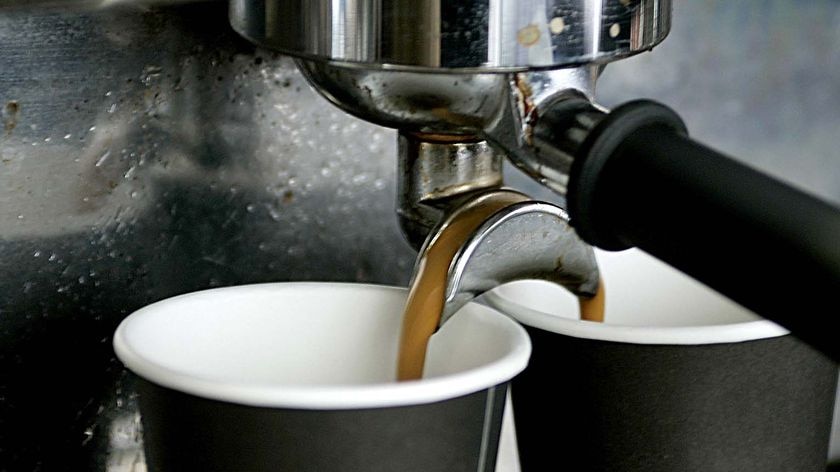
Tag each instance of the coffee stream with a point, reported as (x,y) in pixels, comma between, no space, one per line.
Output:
(427,293)
(592,309)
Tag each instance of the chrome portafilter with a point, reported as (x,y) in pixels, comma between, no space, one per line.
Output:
(630,177)
(520,76)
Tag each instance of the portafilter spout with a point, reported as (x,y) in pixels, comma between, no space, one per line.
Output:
(524,240)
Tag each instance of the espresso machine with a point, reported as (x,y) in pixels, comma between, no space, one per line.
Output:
(521,76)
(152,150)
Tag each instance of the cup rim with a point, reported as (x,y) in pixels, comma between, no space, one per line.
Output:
(328,397)
(502,300)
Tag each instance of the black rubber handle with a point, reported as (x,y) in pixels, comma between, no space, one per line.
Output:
(640,181)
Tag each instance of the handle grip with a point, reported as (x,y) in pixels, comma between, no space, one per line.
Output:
(638,180)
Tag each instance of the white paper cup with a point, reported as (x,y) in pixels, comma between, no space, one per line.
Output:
(678,378)
(301,376)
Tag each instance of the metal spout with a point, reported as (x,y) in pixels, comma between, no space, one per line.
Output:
(435,172)
(524,240)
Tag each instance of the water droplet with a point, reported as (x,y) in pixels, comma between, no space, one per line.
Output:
(273,213)
(36,254)
(52,257)
(68,136)
(88,433)
(557,25)
(250,207)
(104,157)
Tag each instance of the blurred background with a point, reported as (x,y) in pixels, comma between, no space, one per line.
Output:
(147,152)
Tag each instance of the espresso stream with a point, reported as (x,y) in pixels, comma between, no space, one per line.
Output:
(426,295)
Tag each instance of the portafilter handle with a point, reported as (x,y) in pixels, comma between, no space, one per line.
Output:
(638,180)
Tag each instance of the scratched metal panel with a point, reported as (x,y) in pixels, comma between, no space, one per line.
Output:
(145,154)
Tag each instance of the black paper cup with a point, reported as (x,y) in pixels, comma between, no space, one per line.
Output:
(301,377)
(678,379)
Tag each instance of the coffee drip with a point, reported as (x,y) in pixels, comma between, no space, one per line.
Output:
(428,292)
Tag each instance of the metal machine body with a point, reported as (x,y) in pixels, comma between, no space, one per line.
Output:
(146,154)
(470,36)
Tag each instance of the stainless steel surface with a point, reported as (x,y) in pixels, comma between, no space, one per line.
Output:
(254,177)
(413,101)
(81,5)
(528,240)
(562,122)
(432,171)
(145,154)
(468,35)
(501,108)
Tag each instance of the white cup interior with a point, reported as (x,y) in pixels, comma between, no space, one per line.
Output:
(312,345)
(647,302)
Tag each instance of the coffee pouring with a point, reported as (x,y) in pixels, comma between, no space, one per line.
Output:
(490,239)
(148,150)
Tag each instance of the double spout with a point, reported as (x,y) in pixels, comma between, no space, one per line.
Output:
(526,239)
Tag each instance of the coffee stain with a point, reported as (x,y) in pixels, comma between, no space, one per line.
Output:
(288,197)
(529,35)
(10,116)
